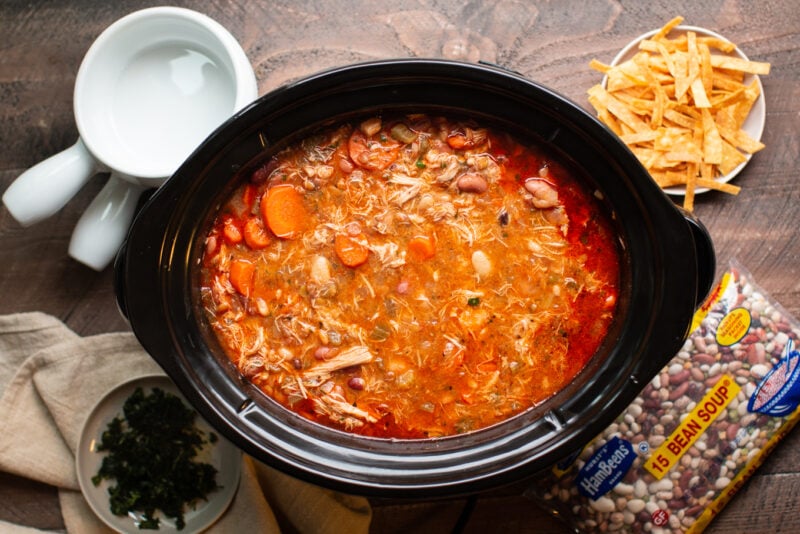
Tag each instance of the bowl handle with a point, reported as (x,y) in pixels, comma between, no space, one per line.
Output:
(706,257)
(46,187)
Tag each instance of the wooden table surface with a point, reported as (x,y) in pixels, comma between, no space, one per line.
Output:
(42,44)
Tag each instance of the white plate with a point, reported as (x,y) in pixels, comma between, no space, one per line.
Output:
(753,124)
(226,458)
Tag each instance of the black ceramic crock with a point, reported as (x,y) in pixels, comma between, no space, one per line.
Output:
(668,268)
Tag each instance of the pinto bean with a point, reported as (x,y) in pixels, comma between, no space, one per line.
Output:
(472,182)
(544,195)
(357,383)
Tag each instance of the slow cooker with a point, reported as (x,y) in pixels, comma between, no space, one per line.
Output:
(668,265)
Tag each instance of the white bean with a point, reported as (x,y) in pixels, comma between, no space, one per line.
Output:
(481,263)
(320,270)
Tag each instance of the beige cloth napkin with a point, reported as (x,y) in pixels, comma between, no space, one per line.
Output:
(50,378)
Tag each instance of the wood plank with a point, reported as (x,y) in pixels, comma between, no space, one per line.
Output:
(29,503)
(43,43)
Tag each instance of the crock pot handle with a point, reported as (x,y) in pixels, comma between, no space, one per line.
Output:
(706,257)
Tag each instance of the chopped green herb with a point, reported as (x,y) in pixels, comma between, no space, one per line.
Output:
(474,301)
(402,133)
(381,332)
(420,164)
(151,458)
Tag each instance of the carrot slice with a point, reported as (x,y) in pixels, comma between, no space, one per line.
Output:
(351,250)
(422,247)
(241,276)
(255,235)
(457,140)
(284,212)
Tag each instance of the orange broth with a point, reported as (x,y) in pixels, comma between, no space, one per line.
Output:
(410,277)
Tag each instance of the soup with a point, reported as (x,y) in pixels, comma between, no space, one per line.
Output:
(410,277)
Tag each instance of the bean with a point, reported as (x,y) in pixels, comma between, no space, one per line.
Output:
(679,377)
(636,505)
(346,166)
(472,182)
(704,359)
(481,263)
(756,353)
(697,374)
(679,391)
(356,383)
(604,504)
(323,353)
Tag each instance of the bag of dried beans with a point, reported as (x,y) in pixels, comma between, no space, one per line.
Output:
(698,430)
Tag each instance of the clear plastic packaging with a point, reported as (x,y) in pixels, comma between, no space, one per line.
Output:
(698,430)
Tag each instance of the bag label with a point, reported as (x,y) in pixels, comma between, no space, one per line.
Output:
(733,327)
(692,427)
(605,468)
(778,393)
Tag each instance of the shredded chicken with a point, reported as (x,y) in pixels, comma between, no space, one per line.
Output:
(446,165)
(349,357)
(337,408)
(388,254)
(410,188)
(292,327)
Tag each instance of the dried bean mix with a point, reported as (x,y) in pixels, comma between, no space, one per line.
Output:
(668,464)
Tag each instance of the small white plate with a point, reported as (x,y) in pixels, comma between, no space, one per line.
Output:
(226,458)
(753,124)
